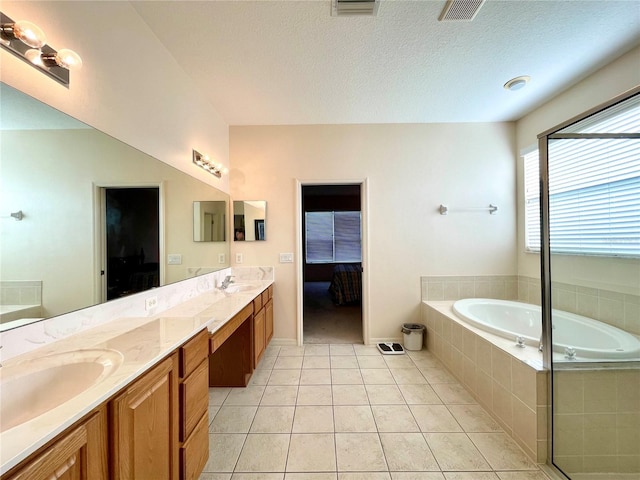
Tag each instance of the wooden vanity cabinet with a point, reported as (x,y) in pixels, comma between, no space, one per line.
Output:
(194,406)
(258,336)
(79,454)
(262,323)
(268,329)
(235,350)
(155,428)
(230,351)
(144,420)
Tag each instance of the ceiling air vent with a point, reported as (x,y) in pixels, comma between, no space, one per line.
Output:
(460,10)
(354,7)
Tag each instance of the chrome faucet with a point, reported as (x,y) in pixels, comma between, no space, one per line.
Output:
(226,282)
(540,347)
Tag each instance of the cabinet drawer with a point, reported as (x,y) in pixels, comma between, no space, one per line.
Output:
(257,304)
(194,453)
(193,353)
(194,399)
(265,297)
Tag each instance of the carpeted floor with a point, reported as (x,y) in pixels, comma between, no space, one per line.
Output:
(325,322)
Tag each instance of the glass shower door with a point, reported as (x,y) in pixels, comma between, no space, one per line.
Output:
(590,171)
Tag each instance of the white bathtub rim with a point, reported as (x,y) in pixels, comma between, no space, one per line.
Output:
(591,353)
(528,355)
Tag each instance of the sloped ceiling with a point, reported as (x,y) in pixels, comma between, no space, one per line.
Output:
(291,62)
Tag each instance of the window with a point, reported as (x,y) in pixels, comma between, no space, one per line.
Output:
(333,237)
(594,191)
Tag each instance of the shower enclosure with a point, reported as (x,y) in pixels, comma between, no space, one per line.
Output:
(590,255)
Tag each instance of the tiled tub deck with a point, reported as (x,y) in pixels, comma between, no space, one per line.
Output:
(509,382)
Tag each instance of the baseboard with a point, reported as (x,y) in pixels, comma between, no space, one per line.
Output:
(375,341)
(283,342)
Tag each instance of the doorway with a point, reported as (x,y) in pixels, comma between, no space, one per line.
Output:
(130,240)
(332,243)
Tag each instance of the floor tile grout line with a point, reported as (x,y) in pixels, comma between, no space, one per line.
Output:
(403,395)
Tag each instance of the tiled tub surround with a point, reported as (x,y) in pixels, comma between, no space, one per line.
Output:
(597,420)
(437,288)
(618,309)
(142,340)
(509,382)
(19,299)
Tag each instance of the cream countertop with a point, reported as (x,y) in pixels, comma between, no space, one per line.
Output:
(142,342)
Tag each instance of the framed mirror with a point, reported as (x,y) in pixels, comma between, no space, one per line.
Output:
(74,187)
(249,220)
(209,221)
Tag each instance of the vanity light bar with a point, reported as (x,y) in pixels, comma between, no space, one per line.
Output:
(27,42)
(204,162)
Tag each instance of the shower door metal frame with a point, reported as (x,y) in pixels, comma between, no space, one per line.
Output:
(545,248)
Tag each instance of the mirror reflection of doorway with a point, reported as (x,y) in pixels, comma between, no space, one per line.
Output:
(131,240)
(332,255)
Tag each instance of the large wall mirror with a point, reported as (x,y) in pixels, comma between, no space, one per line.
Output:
(249,220)
(99,219)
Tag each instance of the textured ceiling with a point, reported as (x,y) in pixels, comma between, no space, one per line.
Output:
(291,62)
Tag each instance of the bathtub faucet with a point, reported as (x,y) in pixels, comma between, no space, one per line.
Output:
(540,347)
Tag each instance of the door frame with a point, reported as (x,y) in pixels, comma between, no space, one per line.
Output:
(100,233)
(364,209)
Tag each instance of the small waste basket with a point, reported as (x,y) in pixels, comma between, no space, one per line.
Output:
(413,333)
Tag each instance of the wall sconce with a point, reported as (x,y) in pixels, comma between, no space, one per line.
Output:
(28,42)
(204,162)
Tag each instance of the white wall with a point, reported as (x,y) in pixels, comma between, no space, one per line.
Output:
(129,87)
(411,170)
(622,275)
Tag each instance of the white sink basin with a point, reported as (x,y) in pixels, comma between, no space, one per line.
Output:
(239,287)
(33,387)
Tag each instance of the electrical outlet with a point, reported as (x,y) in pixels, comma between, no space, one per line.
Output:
(239,258)
(221,258)
(174,259)
(286,258)
(150,303)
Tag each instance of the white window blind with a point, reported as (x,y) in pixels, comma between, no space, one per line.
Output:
(532,201)
(333,237)
(594,192)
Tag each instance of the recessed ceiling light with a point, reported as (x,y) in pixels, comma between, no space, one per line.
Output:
(517,83)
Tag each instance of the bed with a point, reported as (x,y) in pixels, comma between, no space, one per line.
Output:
(346,284)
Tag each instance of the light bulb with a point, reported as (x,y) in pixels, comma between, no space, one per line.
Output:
(68,59)
(34,56)
(29,34)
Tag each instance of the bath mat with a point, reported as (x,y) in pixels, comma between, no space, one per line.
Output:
(389,348)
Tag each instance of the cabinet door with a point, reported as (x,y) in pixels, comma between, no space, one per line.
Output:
(80,454)
(258,336)
(144,426)
(268,325)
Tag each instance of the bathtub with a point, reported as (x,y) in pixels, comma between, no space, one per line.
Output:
(589,338)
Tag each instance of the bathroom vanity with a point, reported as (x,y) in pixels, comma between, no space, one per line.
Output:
(148,418)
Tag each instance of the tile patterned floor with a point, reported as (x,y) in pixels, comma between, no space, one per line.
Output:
(345,412)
